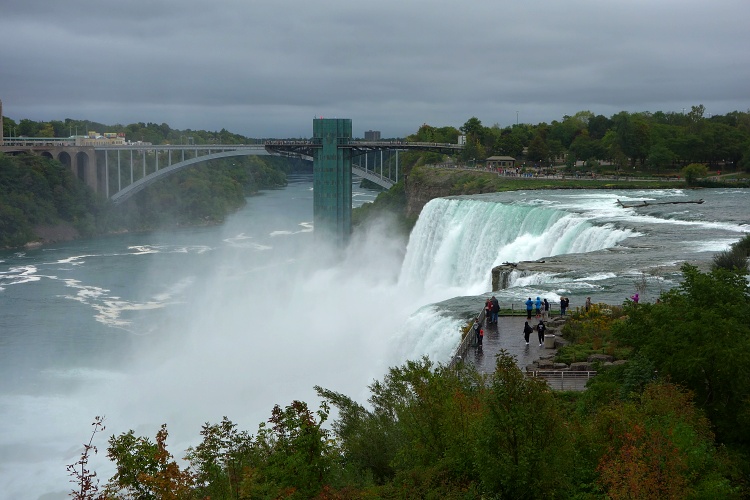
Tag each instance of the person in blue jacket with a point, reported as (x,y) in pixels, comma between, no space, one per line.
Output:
(538,305)
(529,307)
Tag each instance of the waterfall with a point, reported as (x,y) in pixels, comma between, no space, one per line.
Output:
(456,242)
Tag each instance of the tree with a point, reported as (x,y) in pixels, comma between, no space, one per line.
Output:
(520,441)
(699,336)
(659,156)
(509,144)
(538,150)
(473,126)
(415,435)
(220,460)
(734,259)
(693,172)
(585,148)
(659,445)
(598,126)
(633,135)
(146,470)
(297,454)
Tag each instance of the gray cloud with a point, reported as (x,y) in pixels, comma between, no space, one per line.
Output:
(265,68)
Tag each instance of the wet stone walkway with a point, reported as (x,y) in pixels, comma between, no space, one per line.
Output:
(508,335)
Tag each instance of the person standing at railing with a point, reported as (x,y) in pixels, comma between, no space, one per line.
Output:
(495,309)
(545,309)
(529,307)
(538,305)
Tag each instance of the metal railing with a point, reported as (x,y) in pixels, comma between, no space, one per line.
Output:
(466,342)
(563,380)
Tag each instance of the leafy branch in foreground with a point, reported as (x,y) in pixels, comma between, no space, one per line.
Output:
(88,484)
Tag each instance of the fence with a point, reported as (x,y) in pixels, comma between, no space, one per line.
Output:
(468,340)
(563,380)
(510,309)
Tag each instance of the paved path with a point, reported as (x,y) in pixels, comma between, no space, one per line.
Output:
(508,335)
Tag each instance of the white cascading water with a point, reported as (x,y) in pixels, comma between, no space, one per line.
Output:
(457,242)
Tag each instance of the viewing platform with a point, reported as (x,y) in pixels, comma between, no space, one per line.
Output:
(532,359)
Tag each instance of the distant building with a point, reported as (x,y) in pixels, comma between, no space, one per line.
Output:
(462,140)
(95,139)
(501,162)
(372,135)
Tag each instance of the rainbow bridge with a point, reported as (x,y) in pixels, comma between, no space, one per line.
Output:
(119,171)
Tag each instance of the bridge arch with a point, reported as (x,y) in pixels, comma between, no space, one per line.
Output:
(64,158)
(149,179)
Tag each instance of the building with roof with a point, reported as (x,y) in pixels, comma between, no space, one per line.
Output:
(501,162)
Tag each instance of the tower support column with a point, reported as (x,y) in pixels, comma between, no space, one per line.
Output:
(332,180)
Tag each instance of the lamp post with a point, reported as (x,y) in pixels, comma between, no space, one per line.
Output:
(516,118)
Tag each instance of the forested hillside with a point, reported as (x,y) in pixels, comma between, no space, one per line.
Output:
(37,192)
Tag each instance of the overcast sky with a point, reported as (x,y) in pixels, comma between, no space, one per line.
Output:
(265,68)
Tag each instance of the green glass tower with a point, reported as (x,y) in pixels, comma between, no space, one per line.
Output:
(332,179)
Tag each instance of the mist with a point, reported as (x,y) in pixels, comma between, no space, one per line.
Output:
(260,325)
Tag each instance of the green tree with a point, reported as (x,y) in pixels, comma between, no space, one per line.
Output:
(693,172)
(473,126)
(699,336)
(538,150)
(146,470)
(633,135)
(659,156)
(220,460)
(521,441)
(297,454)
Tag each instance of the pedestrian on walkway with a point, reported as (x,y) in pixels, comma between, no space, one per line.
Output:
(526,332)
(538,305)
(540,329)
(476,328)
(545,310)
(564,301)
(495,309)
(529,307)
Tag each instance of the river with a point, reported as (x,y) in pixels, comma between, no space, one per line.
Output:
(187,326)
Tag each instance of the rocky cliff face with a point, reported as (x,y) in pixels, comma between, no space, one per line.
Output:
(425,183)
(419,192)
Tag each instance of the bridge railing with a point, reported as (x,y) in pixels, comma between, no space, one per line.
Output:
(38,141)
